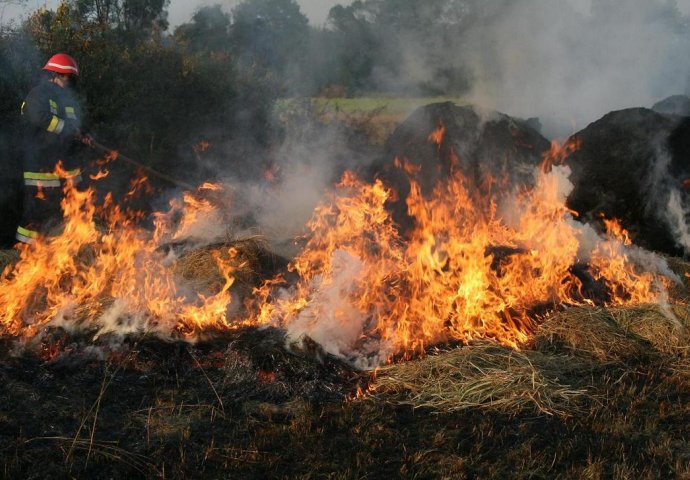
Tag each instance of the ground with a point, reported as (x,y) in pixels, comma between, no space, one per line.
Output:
(597,393)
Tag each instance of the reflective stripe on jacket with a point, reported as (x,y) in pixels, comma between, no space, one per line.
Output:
(40,179)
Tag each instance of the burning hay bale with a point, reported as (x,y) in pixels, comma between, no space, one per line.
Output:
(487,377)
(486,147)
(199,267)
(633,165)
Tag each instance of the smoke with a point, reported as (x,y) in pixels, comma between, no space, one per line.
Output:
(331,319)
(544,58)
(277,200)
(667,202)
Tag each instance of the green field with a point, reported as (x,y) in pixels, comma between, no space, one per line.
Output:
(377,117)
(394,106)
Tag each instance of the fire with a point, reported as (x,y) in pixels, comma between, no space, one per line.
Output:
(201,146)
(473,266)
(112,278)
(197,215)
(558,153)
(99,175)
(271,173)
(437,135)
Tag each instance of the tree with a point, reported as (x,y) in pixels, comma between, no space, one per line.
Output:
(270,33)
(133,17)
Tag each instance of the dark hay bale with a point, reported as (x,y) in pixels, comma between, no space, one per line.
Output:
(253,264)
(627,166)
(673,105)
(484,146)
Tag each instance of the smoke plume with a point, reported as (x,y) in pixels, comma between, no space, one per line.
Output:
(544,58)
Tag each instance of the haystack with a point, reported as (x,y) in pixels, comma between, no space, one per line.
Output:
(629,163)
(486,146)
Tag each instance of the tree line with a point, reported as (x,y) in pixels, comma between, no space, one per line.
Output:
(157,91)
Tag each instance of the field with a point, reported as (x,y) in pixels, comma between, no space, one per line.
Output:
(377,116)
(596,393)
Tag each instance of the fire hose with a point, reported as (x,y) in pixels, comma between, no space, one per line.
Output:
(117,155)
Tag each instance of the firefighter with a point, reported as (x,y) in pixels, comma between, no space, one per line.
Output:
(51,121)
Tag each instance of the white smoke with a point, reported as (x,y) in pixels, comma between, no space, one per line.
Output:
(547,59)
(666,202)
(330,319)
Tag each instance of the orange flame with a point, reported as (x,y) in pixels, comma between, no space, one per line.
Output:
(558,153)
(466,273)
(99,175)
(437,135)
(112,278)
(474,266)
(202,146)
(40,193)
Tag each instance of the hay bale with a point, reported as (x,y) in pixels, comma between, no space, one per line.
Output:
(620,334)
(589,331)
(665,333)
(629,165)
(486,376)
(251,260)
(439,138)
(673,105)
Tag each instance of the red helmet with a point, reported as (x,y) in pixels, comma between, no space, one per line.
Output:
(62,63)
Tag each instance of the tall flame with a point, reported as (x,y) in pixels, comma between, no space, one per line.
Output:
(473,266)
(112,278)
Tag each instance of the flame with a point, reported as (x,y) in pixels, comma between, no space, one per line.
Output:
(437,135)
(111,278)
(214,187)
(191,217)
(474,266)
(139,185)
(109,156)
(99,175)
(558,153)
(202,146)
(271,173)
(467,272)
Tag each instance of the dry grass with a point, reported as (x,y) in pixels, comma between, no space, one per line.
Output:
(484,376)
(617,334)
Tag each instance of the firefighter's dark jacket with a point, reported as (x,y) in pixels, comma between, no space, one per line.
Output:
(51,116)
